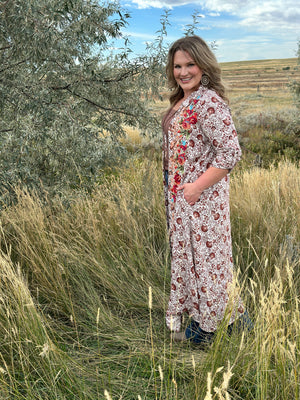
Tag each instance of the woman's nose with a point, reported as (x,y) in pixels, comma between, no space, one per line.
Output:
(183,71)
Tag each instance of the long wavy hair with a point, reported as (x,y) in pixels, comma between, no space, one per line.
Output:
(203,57)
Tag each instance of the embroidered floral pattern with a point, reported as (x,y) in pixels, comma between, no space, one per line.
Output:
(186,123)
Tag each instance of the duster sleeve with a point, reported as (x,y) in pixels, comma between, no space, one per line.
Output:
(218,128)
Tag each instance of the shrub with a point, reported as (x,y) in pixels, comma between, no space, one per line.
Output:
(270,135)
(64,98)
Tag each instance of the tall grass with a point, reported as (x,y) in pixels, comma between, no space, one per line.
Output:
(84,291)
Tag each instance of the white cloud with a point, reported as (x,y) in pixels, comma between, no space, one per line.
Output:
(267,15)
(254,48)
(161,3)
(137,35)
(215,5)
(271,26)
(273,16)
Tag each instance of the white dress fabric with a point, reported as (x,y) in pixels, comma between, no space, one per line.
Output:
(201,134)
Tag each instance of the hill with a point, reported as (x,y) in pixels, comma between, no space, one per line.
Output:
(261,83)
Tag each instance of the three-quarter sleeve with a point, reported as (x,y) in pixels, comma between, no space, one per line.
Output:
(218,127)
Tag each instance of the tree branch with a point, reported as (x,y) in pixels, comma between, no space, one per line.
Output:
(13,65)
(66,87)
(5,47)
(117,110)
(133,72)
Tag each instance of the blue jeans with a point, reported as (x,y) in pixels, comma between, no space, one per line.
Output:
(198,336)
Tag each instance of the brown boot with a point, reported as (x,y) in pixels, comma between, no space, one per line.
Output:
(178,336)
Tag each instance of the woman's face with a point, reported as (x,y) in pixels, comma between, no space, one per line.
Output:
(186,72)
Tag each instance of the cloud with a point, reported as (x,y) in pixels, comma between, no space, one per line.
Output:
(137,35)
(161,3)
(215,5)
(254,48)
(272,17)
(265,16)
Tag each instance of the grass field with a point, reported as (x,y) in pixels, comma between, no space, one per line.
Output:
(84,287)
(84,292)
(261,85)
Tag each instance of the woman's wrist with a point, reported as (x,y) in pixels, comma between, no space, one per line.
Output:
(198,187)
(210,177)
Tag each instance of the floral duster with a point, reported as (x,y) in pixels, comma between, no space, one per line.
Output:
(201,134)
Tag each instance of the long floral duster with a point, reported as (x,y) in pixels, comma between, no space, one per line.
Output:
(200,135)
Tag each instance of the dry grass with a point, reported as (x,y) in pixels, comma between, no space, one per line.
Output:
(76,317)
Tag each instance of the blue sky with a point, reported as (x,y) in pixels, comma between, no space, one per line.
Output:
(243,30)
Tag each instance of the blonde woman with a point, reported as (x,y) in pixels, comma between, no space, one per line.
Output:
(200,149)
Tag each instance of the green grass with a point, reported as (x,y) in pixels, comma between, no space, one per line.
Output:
(76,321)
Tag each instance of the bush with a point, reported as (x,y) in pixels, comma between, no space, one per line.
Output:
(64,98)
(271,136)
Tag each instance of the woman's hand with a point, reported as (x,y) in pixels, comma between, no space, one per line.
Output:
(191,192)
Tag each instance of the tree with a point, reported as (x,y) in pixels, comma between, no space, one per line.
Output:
(65,94)
(293,129)
(296,85)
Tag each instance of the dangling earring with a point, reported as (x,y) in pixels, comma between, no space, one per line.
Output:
(205,80)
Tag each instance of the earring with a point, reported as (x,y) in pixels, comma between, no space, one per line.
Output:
(205,80)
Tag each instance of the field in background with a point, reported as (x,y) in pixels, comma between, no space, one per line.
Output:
(264,108)
(261,84)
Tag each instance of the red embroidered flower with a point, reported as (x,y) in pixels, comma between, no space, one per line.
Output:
(193,119)
(183,147)
(185,125)
(177,178)
(227,121)
(174,189)
(181,159)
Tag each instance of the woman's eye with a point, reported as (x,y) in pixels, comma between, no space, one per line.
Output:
(176,66)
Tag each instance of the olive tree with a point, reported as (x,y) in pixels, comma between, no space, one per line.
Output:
(66,93)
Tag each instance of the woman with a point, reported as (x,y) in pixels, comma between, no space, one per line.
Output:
(200,149)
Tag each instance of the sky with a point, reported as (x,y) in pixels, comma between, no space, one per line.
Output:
(242,29)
